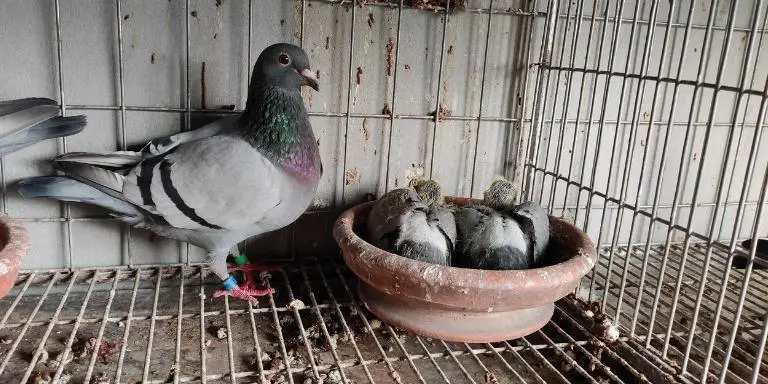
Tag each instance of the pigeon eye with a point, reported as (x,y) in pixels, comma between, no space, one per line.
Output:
(284,59)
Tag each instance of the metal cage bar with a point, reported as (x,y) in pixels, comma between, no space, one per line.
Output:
(345,143)
(554,110)
(708,262)
(635,119)
(438,105)
(60,73)
(482,94)
(721,177)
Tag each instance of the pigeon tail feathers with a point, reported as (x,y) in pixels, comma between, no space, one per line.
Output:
(67,189)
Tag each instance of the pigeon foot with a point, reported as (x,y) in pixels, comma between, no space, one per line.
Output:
(247,293)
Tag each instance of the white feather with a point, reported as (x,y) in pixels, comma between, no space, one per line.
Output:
(101,176)
(108,159)
(497,231)
(416,228)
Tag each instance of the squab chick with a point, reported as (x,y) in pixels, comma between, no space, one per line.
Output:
(414,223)
(499,235)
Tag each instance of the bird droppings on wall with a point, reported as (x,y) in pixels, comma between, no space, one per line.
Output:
(390,56)
(442,112)
(352,176)
(466,134)
(387,111)
(366,130)
(433,5)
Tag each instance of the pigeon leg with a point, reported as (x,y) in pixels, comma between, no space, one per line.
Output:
(249,271)
(218,262)
(242,264)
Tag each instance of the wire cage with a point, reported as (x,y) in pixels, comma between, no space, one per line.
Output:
(639,121)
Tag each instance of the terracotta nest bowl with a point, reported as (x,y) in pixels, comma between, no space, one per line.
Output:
(14,244)
(461,304)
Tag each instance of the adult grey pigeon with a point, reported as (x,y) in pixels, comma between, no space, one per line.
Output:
(24,122)
(498,235)
(414,223)
(216,186)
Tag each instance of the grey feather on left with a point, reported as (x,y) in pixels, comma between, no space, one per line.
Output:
(24,122)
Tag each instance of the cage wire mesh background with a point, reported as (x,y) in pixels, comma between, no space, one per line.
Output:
(639,121)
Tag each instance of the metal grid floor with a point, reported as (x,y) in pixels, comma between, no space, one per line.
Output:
(701,350)
(159,324)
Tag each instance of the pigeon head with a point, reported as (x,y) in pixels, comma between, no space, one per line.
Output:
(283,65)
(501,195)
(429,191)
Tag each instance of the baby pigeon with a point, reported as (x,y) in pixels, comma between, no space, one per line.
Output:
(24,122)
(213,187)
(414,223)
(498,235)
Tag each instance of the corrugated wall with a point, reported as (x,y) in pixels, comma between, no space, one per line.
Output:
(366,70)
(363,71)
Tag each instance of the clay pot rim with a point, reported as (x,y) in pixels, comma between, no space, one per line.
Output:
(15,248)
(545,281)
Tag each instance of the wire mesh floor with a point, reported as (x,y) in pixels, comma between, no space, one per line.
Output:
(676,338)
(160,324)
(138,325)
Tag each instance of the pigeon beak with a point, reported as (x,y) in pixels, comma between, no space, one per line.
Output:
(310,78)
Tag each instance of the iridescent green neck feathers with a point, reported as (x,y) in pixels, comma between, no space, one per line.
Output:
(275,121)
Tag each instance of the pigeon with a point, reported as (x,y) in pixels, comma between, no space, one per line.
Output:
(24,122)
(497,235)
(741,261)
(414,223)
(214,187)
